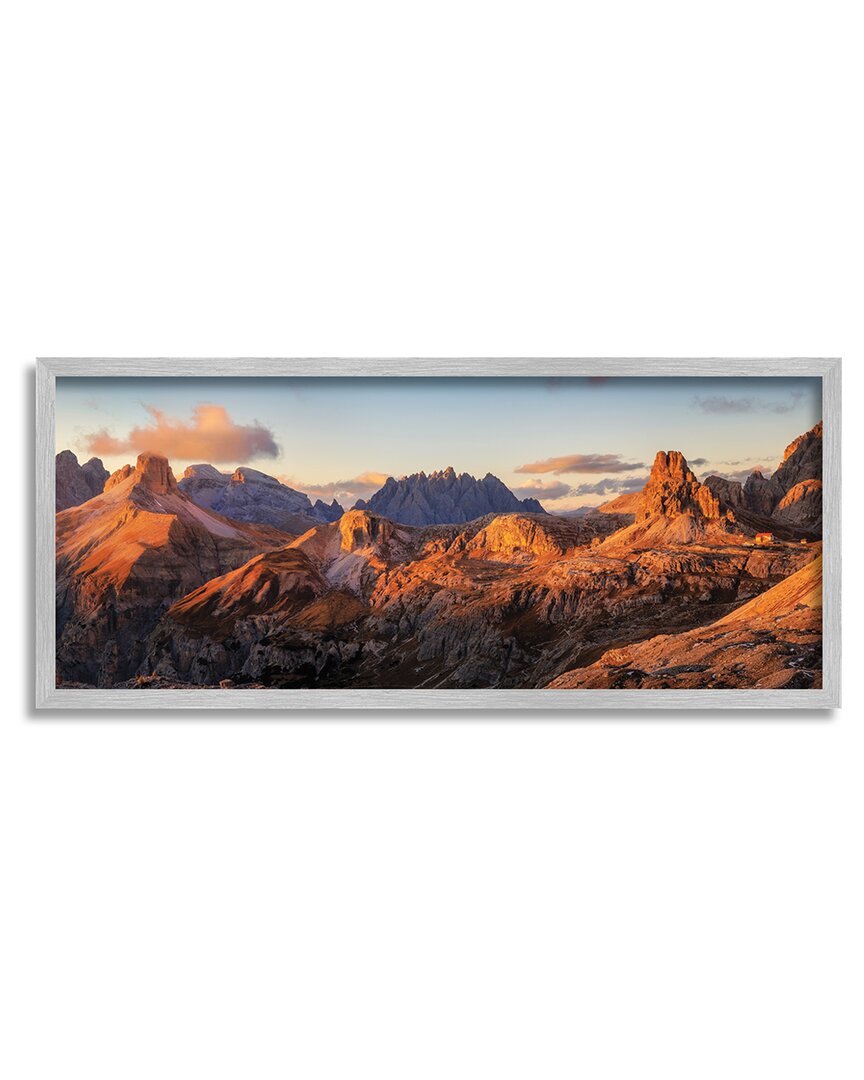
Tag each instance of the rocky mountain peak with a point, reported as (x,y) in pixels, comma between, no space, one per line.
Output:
(445,497)
(76,483)
(673,489)
(802,460)
(322,512)
(244,475)
(360,529)
(118,476)
(153,472)
(803,441)
(204,472)
(443,474)
(252,496)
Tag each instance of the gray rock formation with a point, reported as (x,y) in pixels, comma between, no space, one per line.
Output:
(801,506)
(253,496)
(761,494)
(792,495)
(802,460)
(74,483)
(729,492)
(444,498)
(321,511)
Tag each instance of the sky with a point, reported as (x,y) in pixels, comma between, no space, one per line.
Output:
(569,442)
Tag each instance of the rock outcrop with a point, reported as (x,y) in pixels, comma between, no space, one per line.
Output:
(772,496)
(672,490)
(322,511)
(445,497)
(761,494)
(802,459)
(729,492)
(801,506)
(673,509)
(253,496)
(74,483)
(523,537)
(118,476)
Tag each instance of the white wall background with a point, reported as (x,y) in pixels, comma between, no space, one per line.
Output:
(421,896)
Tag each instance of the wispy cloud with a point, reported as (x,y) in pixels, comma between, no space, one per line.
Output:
(786,406)
(581,463)
(344,491)
(697,461)
(741,474)
(719,403)
(211,436)
(612,485)
(547,490)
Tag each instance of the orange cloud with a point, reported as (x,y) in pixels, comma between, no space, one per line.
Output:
(542,489)
(344,491)
(581,463)
(211,436)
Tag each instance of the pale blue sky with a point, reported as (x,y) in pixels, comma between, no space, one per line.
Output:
(329,432)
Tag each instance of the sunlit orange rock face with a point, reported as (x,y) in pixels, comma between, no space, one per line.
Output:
(771,642)
(123,473)
(155,474)
(623,504)
(125,555)
(672,489)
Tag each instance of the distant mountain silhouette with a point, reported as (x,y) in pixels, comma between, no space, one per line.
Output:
(445,498)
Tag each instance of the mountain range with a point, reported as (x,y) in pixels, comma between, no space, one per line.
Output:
(246,494)
(445,498)
(154,589)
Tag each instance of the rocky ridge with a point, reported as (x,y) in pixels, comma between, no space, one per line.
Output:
(253,496)
(445,497)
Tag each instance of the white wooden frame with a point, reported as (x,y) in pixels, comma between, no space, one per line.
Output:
(48,696)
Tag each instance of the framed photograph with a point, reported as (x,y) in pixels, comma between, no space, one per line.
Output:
(428,533)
